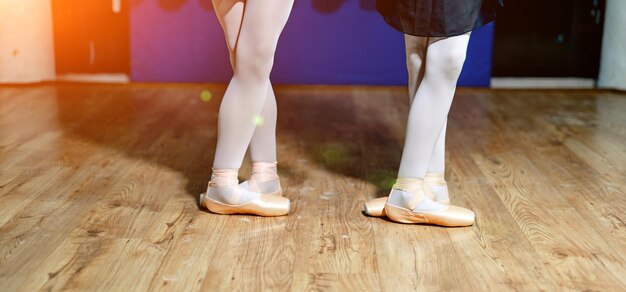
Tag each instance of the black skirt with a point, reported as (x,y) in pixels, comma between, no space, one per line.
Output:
(437,18)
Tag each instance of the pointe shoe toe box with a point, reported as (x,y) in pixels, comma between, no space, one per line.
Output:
(454,216)
(272,205)
(376,207)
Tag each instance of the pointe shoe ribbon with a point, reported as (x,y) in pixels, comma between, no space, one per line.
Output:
(413,186)
(225,179)
(264,171)
(435,179)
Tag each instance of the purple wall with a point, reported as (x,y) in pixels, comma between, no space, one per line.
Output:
(325,42)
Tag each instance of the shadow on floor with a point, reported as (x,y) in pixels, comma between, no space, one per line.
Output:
(171,126)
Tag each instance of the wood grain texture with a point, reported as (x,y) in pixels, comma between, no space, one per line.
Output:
(99,186)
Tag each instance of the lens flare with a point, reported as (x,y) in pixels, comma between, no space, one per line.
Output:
(384,179)
(258,120)
(206,95)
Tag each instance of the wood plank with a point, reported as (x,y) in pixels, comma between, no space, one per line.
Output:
(114,172)
(554,242)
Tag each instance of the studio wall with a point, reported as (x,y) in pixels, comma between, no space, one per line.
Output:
(26,46)
(325,42)
(613,62)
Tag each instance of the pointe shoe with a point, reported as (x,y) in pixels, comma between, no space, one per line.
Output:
(264,205)
(376,207)
(450,216)
(262,174)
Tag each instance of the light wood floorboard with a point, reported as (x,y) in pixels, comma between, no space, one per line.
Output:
(99,187)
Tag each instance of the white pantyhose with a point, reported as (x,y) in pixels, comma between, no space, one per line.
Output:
(247,114)
(434,66)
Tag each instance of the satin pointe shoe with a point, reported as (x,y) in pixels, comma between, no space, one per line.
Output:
(263,179)
(418,209)
(436,189)
(225,196)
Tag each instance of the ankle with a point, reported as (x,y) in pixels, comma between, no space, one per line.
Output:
(264,178)
(407,192)
(408,184)
(224,178)
(435,179)
(264,171)
(436,187)
(224,187)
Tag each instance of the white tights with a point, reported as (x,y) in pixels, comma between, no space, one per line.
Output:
(247,114)
(252,29)
(434,66)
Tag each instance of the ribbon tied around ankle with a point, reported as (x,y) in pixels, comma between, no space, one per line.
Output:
(224,178)
(413,186)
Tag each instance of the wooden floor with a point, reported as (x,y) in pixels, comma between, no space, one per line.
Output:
(99,186)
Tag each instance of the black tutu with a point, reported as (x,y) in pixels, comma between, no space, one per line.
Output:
(437,18)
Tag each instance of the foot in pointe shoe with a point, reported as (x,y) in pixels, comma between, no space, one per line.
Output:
(225,196)
(408,204)
(435,188)
(263,179)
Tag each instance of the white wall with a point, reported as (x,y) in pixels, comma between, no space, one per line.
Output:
(26,43)
(613,60)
